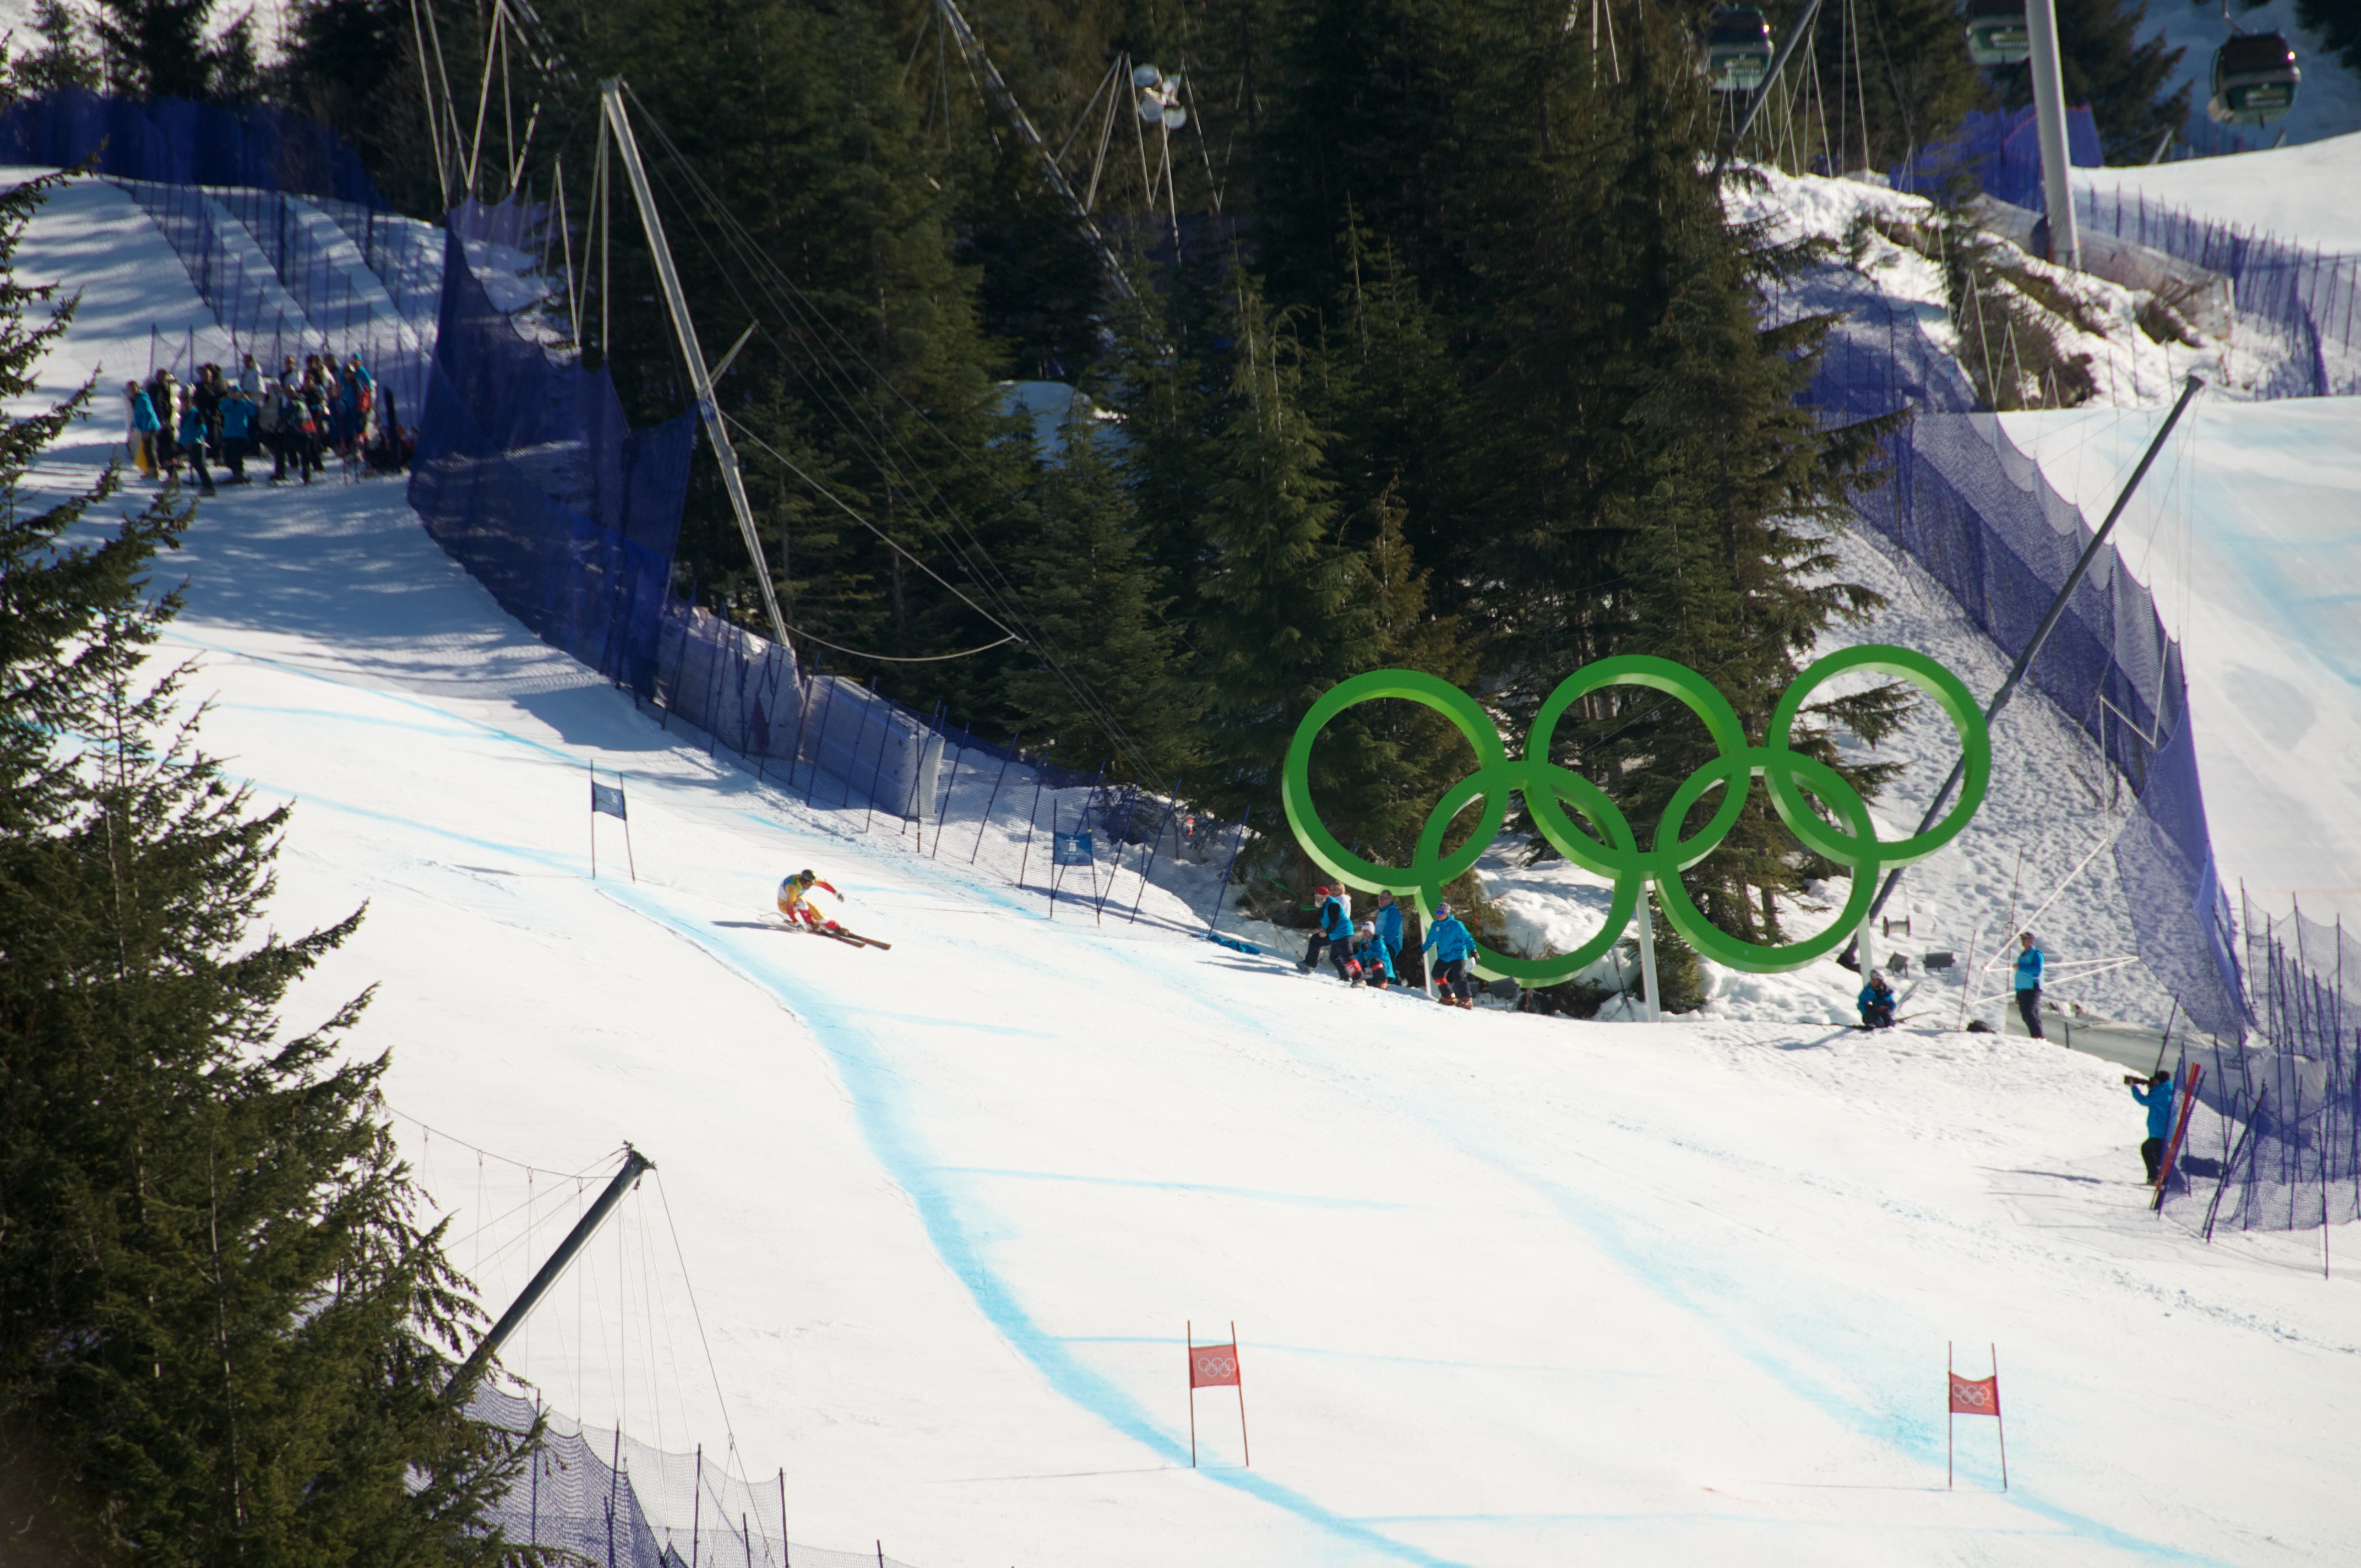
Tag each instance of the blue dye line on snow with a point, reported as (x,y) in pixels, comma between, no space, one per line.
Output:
(1305,1199)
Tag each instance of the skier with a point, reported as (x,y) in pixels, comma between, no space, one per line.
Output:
(1877,1002)
(1336,934)
(2028,984)
(1452,947)
(795,901)
(2156,1095)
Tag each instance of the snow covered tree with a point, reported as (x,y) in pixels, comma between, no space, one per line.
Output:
(222,1327)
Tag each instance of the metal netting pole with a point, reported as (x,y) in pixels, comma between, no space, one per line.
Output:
(1014,749)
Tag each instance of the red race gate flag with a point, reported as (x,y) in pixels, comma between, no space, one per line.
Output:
(1974,1397)
(1212,1366)
(1216,1367)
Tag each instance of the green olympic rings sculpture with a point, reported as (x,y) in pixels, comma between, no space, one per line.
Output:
(1613,850)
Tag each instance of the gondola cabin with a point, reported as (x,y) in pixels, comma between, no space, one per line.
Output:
(2253,81)
(1997,33)
(1738,49)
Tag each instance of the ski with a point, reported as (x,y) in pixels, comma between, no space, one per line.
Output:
(852,938)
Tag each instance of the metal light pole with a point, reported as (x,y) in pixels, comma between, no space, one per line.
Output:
(2049,119)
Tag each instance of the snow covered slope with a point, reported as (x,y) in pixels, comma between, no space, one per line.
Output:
(2248,532)
(1512,1291)
(2301,194)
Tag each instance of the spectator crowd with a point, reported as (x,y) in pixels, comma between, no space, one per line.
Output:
(299,417)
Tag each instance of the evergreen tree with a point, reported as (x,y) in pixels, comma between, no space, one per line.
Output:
(224,1328)
(61,60)
(1090,596)
(2337,25)
(353,66)
(157,48)
(1285,610)
(2104,62)
(1896,77)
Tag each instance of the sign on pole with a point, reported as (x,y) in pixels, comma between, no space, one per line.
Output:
(608,800)
(1216,1367)
(1974,1397)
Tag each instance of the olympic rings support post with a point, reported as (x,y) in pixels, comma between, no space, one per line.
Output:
(1611,849)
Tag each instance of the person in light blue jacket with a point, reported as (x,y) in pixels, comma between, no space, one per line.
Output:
(1336,934)
(2156,1093)
(2028,984)
(193,441)
(1388,922)
(1452,946)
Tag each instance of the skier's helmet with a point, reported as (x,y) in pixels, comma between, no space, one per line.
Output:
(1442,909)
(808,876)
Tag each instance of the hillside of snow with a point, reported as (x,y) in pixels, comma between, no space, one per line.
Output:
(929,1224)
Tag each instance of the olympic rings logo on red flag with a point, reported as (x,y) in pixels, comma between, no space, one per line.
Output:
(1793,780)
(1213,1365)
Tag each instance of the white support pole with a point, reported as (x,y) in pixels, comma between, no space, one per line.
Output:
(1655,1012)
(1868,946)
(627,147)
(2049,119)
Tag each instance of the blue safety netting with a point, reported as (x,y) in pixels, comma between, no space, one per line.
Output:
(174,142)
(1961,502)
(2313,299)
(2002,151)
(600,1497)
(528,473)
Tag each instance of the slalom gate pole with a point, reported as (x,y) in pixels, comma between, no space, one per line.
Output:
(1191,1335)
(1054,867)
(992,799)
(1950,1423)
(1244,1447)
(2056,613)
(696,1504)
(1040,773)
(785,1560)
(1223,893)
(630,855)
(2196,1075)
(1149,864)
(2000,1418)
(594,822)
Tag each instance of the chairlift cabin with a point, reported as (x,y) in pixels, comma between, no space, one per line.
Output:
(1738,49)
(1997,33)
(2255,80)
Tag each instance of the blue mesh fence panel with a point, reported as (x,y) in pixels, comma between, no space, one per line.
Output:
(2003,151)
(583,564)
(176,142)
(1975,513)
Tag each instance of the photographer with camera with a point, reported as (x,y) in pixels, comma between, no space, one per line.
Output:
(2156,1093)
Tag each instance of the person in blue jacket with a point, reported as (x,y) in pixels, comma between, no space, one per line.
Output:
(1452,946)
(1388,922)
(1877,1002)
(2028,984)
(193,441)
(1335,933)
(2156,1093)
(144,426)
(237,413)
(1372,965)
